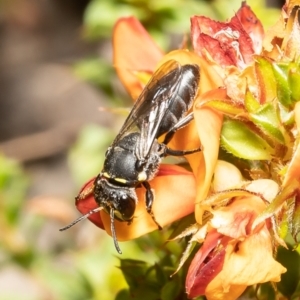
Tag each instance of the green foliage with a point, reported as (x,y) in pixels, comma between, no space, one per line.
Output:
(159,17)
(243,142)
(87,155)
(96,71)
(266,118)
(13,185)
(289,284)
(162,17)
(78,274)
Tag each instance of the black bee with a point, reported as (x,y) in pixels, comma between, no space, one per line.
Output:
(135,155)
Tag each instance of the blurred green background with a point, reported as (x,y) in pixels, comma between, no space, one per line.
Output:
(56,71)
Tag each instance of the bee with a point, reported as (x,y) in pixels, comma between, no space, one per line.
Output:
(134,157)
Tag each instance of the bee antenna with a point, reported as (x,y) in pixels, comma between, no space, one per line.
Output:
(113,230)
(82,218)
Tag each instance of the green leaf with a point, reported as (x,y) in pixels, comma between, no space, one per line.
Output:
(240,140)
(287,116)
(161,275)
(289,280)
(295,219)
(171,289)
(251,103)
(283,89)
(134,271)
(294,83)
(266,118)
(266,292)
(266,79)
(123,295)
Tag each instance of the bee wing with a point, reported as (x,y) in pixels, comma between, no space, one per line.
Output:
(151,106)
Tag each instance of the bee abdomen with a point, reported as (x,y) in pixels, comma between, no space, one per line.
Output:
(183,99)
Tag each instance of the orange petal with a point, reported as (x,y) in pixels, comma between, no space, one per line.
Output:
(274,36)
(174,198)
(246,263)
(292,38)
(134,51)
(209,124)
(283,38)
(235,220)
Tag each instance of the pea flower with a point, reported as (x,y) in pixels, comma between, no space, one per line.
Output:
(235,253)
(247,112)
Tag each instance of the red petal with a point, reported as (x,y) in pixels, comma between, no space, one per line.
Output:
(246,47)
(85,202)
(227,43)
(206,264)
(252,26)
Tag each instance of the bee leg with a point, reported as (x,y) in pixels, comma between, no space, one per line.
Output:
(149,202)
(183,122)
(173,152)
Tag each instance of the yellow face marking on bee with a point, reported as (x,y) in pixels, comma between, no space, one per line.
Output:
(106,175)
(142,176)
(121,180)
(118,214)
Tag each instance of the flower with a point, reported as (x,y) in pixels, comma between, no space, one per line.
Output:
(247,111)
(235,253)
(239,240)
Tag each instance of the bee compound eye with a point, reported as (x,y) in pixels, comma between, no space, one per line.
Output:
(125,208)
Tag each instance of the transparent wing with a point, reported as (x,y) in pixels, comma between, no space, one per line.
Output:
(152,105)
